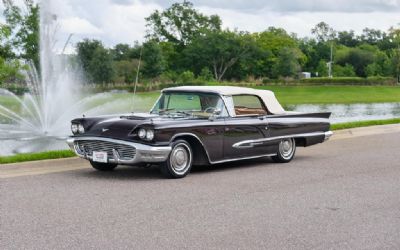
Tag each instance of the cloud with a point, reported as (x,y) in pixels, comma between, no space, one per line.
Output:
(78,26)
(302,22)
(295,5)
(122,21)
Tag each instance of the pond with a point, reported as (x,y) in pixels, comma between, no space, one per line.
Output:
(123,103)
(352,112)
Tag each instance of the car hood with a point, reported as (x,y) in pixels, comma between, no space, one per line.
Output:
(122,125)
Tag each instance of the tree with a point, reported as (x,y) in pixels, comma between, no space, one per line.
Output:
(95,60)
(25,29)
(347,38)
(359,58)
(219,50)
(85,50)
(121,52)
(395,35)
(153,60)
(288,63)
(5,44)
(323,32)
(180,23)
(125,70)
(101,66)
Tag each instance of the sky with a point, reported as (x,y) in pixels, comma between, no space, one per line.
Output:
(122,21)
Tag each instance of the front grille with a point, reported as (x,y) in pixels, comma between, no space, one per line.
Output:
(88,146)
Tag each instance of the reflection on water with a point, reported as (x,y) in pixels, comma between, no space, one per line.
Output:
(340,113)
(353,112)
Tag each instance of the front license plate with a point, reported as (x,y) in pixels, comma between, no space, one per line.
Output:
(100,156)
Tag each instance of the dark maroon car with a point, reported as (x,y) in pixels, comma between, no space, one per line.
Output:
(198,125)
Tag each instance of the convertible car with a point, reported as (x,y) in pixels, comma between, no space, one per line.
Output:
(198,125)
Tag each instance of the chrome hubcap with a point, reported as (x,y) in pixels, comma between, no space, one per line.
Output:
(180,158)
(286,148)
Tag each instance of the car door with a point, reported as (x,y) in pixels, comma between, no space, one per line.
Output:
(245,127)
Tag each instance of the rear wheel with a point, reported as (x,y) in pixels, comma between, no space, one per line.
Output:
(103,166)
(180,160)
(286,151)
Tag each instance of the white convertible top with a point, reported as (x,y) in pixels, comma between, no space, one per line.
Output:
(267,96)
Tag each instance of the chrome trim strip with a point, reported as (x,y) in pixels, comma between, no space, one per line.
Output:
(220,161)
(252,143)
(144,153)
(242,158)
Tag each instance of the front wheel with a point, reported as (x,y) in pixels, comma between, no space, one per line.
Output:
(286,151)
(103,166)
(179,162)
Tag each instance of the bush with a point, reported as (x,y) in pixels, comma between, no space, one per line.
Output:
(16,89)
(376,80)
(206,75)
(186,76)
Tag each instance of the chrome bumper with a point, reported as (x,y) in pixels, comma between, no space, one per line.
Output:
(144,153)
(328,134)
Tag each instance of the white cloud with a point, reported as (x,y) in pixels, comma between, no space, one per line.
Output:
(302,22)
(122,21)
(78,26)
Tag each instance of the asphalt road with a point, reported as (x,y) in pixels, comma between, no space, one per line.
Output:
(343,194)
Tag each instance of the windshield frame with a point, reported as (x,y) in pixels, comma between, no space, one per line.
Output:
(224,113)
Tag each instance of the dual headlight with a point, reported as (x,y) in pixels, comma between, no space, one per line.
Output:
(146,134)
(77,128)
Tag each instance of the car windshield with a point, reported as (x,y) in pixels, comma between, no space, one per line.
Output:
(189,104)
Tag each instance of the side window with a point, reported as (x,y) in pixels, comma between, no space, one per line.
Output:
(184,102)
(248,105)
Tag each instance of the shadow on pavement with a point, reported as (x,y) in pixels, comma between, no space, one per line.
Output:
(137,173)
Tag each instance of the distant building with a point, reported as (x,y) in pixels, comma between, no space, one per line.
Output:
(305,75)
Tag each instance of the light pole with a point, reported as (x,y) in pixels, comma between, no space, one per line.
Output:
(329,64)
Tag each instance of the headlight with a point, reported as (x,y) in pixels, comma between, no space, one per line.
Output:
(149,135)
(81,129)
(74,128)
(142,133)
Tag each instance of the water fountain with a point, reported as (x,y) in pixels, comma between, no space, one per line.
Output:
(40,119)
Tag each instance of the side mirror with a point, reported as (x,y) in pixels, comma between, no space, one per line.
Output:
(214,114)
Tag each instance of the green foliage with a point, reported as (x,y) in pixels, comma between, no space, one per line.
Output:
(36,156)
(9,71)
(186,77)
(125,71)
(323,32)
(24,27)
(288,63)
(205,74)
(218,50)
(349,81)
(96,61)
(343,71)
(358,124)
(153,60)
(180,23)
(101,66)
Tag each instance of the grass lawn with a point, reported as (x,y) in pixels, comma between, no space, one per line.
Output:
(36,156)
(348,125)
(334,94)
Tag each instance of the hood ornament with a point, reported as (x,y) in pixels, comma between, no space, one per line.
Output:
(104,130)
